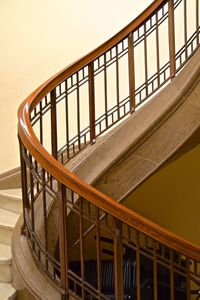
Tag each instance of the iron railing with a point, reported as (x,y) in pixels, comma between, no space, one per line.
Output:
(68,112)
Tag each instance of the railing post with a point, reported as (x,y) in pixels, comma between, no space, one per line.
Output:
(118,261)
(82,249)
(131,72)
(197,21)
(98,250)
(171,38)
(171,269)
(91,102)
(63,245)
(138,281)
(24,185)
(54,147)
(188,287)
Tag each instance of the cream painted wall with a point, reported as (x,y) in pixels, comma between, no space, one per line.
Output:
(171,197)
(40,37)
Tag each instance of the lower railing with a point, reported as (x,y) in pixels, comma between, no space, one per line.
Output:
(95,248)
(98,255)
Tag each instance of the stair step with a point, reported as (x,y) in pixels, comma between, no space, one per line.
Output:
(5,263)
(5,254)
(7,292)
(11,200)
(8,220)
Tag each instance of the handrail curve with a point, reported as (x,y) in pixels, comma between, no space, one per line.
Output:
(48,165)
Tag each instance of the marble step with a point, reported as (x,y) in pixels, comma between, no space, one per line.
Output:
(5,263)
(8,220)
(11,200)
(7,292)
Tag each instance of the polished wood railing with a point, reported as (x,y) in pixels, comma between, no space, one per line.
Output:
(70,111)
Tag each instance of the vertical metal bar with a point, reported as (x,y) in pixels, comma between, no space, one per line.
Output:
(32,201)
(188,289)
(145,60)
(41,124)
(78,110)
(63,243)
(171,38)
(197,20)
(92,102)
(138,265)
(118,261)
(155,271)
(171,275)
(98,249)
(24,184)
(117,82)
(157,50)
(82,249)
(67,118)
(185,28)
(36,169)
(54,147)
(105,91)
(45,217)
(131,72)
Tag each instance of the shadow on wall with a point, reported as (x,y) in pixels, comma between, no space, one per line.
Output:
(171,197)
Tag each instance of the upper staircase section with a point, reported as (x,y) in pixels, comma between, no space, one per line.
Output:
(70,111)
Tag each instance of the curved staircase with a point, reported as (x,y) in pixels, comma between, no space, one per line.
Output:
(107,243)
(10,210)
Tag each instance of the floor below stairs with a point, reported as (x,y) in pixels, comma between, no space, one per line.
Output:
(10,210)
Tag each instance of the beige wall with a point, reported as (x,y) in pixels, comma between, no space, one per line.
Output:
(171,197)
(40,37)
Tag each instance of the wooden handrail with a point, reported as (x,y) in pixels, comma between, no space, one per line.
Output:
(59,172)
(65,178)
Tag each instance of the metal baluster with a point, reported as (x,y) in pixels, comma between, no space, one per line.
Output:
(63,243)
(157,50)
(131,72)
(171,38)
(67,118)
(188,289)
(171,275)
(82,249)
(53,123)
(32,201)
(145,61)
(24,185)
(92,102)
(197,20)
(185,28)
(98,249)
(117,82)
(105,91)
(45,216)
(78,111)
(155,271)
(138,265)
(118,261)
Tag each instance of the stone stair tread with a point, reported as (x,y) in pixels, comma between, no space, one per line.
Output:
(7,291)
(5,254)
(15,194)
(8,219)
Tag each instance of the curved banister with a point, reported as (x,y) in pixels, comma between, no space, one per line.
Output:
(51,166)
(106,203)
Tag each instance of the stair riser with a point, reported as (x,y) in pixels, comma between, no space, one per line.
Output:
(5,273)
(11,205)
(5,236)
